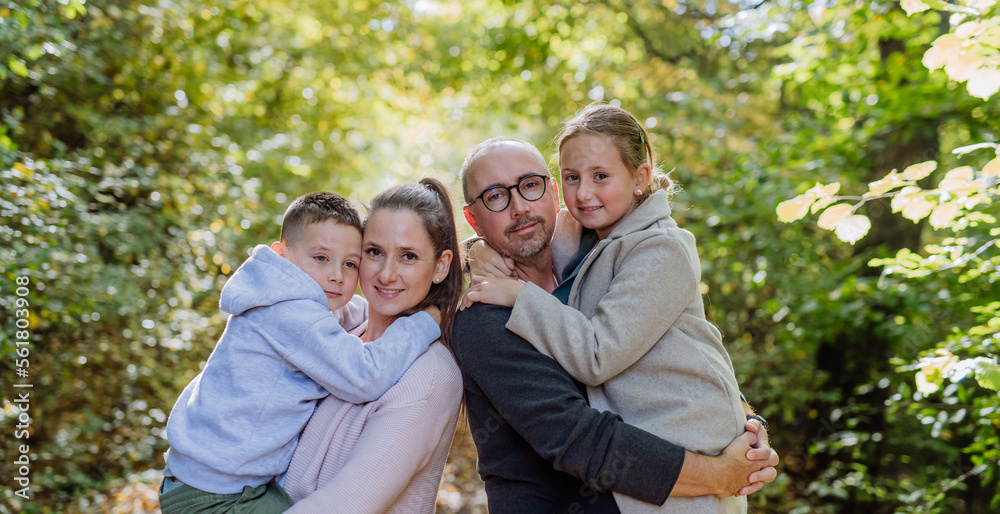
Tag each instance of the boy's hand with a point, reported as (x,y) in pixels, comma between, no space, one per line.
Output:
(496,291)
(434,312)
(484,261)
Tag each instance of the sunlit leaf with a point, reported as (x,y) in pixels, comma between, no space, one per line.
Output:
(886,184)
(943,214)
(913,6)
(920,170)
(983,82)
(852,228)
(958,181)
(917,208)
(925,385)
(962,150)
(794,209)
(903,197)
(833,216)
(992,168)
(943,49)
(822,203)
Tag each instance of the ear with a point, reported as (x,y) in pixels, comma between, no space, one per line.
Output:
(279,248)
(442,266)
(643,175)
(471,218)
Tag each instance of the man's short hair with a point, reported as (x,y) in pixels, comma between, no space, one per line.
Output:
(314,208)
(482,148)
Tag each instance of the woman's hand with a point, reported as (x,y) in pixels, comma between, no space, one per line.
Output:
(434,312)
(496,291)
(484,261)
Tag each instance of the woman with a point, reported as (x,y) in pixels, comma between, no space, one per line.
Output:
(388,455)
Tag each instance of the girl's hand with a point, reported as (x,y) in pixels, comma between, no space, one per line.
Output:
(496,291)
(484,261)
(434,312)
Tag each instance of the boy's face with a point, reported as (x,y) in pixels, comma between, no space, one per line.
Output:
(329,252)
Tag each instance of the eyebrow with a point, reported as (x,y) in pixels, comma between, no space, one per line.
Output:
(322,248)
(519,178)
(402,248)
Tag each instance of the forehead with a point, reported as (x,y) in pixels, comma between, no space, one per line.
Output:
(588,148)
(396,228)
(503,165)
(331,234)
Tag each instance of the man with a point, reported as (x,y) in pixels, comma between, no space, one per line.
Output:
(542,448)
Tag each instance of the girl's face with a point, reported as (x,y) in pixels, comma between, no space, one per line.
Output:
(598,188)
(398,264)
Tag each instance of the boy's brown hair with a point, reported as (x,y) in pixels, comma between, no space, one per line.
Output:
(314,208)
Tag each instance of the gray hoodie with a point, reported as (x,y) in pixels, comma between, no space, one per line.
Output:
(238,421)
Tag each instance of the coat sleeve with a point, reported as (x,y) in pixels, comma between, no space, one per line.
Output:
(654,282)
(395,443)
(542,403)
(357,372)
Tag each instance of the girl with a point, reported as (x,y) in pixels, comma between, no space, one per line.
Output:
(388,455)
(633,328)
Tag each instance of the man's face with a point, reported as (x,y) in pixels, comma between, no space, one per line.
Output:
(524,228)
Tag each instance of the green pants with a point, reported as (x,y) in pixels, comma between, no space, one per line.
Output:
(265,499)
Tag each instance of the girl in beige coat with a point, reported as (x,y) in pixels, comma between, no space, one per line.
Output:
(633,328)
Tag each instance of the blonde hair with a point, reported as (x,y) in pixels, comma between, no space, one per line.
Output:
(627,134)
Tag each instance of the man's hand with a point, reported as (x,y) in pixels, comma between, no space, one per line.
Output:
(742,468)
(484,261)
(496,291)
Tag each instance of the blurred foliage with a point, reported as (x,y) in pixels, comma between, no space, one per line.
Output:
(144,147)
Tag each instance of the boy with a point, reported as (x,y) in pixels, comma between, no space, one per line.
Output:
(235,426)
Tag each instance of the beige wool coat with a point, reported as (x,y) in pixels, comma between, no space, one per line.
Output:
(635,333)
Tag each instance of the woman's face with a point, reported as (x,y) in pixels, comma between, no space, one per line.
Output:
(398,265)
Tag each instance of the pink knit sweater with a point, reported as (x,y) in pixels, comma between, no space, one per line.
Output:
(382,456)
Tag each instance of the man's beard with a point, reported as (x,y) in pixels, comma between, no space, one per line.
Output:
(526,249)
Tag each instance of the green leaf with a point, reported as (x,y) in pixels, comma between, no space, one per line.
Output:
(17,66)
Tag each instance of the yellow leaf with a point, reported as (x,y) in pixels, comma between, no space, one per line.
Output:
(794,209)
(919,171)
(943,214)
(832,216)
(917,208)
(853,228)
(992,168)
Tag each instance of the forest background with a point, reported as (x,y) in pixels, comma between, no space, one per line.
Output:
(145,146)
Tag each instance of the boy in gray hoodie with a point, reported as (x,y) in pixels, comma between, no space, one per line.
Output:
(234,428)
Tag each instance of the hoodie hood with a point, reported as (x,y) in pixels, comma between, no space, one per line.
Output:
(265,279)
(654,210)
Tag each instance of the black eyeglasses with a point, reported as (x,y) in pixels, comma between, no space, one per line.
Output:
(531,188)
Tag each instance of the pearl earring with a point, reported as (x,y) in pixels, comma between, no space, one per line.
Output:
(638,192)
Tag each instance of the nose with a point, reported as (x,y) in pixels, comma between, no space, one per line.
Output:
(584,191)
(387,272)
(518,205)
(336,274)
